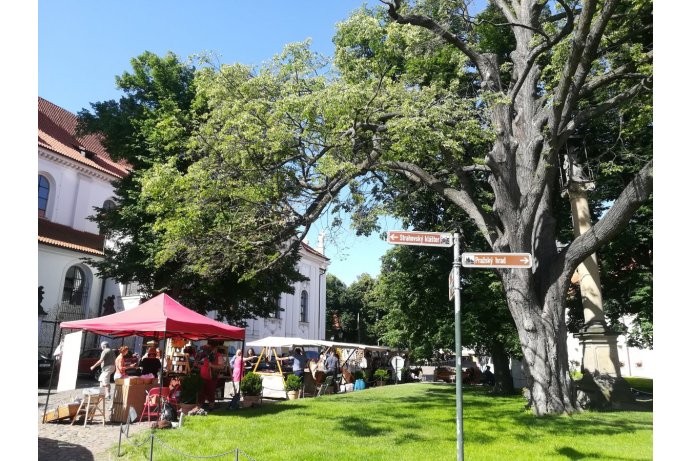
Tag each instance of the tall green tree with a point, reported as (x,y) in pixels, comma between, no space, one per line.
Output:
(152,124)
(278,144)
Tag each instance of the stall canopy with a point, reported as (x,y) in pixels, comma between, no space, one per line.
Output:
(280,341)
(160,317)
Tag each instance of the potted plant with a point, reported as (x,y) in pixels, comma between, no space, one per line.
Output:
(251,389)
(381,375)
(189,391)
(293,386)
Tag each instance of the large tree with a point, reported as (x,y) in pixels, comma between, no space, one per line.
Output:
(278,144)
(151,125)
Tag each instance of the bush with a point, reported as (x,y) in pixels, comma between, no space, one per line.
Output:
(381,375)
(251,384)
(189,388)
(293,383)
(358,374)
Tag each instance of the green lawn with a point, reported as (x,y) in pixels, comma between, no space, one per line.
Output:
(641,384)
(404,422)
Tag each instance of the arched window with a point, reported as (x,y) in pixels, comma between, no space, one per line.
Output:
(75,290)
(303,306)
(43,193)
(107,205)
(277,313)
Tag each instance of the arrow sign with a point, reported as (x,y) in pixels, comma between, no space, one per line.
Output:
(497,260)
(428,239)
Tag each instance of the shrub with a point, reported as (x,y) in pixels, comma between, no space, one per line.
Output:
(359,374)
(381,375)
(293,383)
(189,388)
(251,384)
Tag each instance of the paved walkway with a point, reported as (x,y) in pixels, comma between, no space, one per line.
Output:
(58,441)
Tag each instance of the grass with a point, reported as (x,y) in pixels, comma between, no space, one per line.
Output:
(404,422)
(641,384)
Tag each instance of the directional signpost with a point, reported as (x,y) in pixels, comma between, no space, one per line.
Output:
(470,260)
(429,239)
(497,260)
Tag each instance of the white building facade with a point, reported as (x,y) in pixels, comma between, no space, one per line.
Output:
(303,313)
(74,176)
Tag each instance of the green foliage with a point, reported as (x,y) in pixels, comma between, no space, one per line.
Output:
(381,375)
(190,386)
(152,127)
(251,384)
(293,383)
(359,374)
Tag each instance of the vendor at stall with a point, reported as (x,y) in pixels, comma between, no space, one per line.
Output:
(299,362)
(150,364)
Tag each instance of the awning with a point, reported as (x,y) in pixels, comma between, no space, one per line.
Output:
(160,317)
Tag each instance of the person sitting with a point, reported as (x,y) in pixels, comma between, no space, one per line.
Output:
(488,377)
(150,364)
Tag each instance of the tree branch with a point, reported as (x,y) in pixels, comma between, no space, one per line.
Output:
(622,72)
(431,25)
(600,109)
(543,48)
(461,198)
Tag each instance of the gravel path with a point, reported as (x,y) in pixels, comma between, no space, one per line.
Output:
(59,441)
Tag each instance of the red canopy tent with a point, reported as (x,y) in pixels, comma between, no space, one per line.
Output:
(160,317)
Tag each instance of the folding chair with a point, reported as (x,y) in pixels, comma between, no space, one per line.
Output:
(325,385)
(153,403)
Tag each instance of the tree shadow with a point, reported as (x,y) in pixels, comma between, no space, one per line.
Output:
(48,451)
(570,453)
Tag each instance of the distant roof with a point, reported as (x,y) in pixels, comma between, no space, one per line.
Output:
(58,235)
(309,249)
(56,132)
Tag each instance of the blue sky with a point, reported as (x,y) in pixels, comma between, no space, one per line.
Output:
(83,45)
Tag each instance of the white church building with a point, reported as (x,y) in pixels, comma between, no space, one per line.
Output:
(74,176)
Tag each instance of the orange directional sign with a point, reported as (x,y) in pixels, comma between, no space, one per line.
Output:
(497,260)
(429,239)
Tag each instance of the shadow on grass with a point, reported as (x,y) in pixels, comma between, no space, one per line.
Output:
(570,453)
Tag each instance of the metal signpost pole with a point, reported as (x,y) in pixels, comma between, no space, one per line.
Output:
(459,348)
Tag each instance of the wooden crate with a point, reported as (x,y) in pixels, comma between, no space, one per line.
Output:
(61,412)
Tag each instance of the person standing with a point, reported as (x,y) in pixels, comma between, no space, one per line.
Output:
(120,362)
(299,362)
(239,368)
(107,363)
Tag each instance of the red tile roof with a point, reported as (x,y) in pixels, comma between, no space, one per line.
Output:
(309,249)
(56,128)
(58,235)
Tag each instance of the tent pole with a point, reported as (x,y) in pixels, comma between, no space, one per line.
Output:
(160,379)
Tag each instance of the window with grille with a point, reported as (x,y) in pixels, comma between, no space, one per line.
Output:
(43,193)
(303,306)
(75,289)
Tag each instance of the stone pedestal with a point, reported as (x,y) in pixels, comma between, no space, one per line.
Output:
(602,385)
(600,351)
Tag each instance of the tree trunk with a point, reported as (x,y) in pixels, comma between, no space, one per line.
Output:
(542,332)
(503,380)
